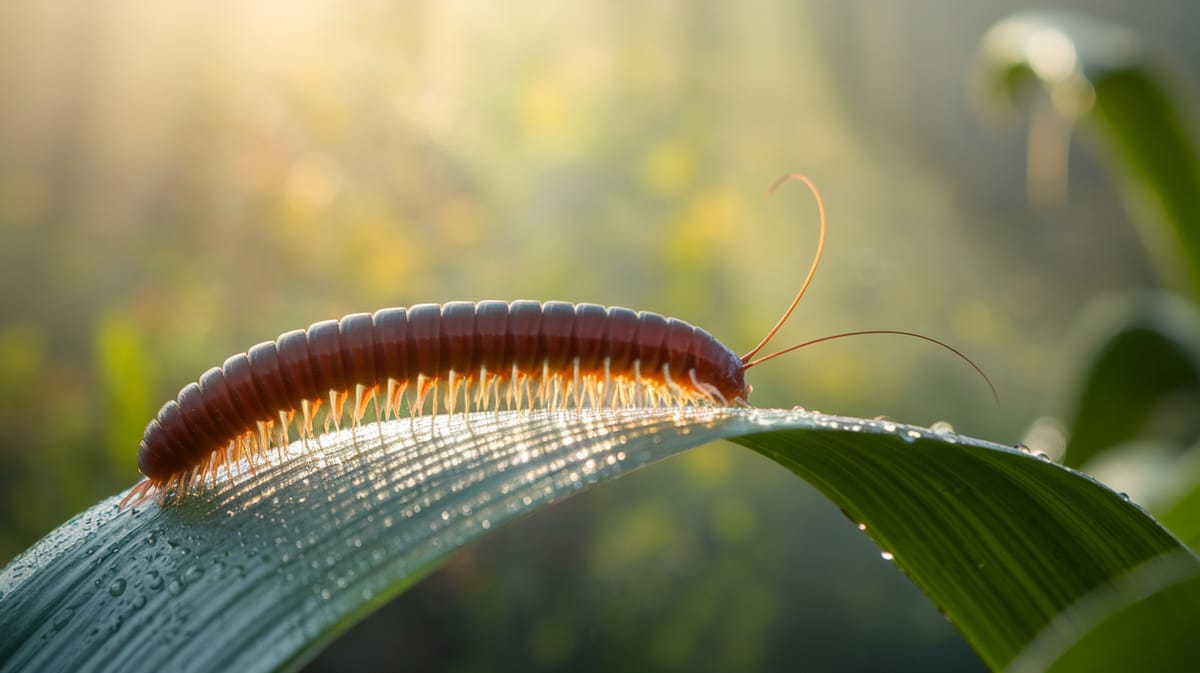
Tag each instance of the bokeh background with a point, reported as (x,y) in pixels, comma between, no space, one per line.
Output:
(181,180)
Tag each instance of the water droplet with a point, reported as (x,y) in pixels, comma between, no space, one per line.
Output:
(191,575)
(117,587)
(156,580)
(1125,497)
(1022,448)
(942,428)
(138,602)
(862,526)
(1042,456)
(175,587)
(886,555)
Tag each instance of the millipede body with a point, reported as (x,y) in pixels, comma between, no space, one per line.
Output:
(485,356)
(473,356)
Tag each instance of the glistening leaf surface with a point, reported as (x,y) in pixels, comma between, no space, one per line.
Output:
(255,575)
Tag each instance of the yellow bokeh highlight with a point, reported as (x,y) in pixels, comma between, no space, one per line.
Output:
(668,169)
(708,221)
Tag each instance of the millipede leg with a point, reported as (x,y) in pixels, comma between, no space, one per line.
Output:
(467,402)
(527,384)
(362,395)
(390,403)
(336,407)
(452,384)
(306,411)
(543,385)
(576,390)
(229,459)
(495,381)
(700,387)
(608,391)
(637,383)
(481,396)
(378,415)
(245,445)
(666,372)
(433,389)
(284,422)
(512,385)
(418,404)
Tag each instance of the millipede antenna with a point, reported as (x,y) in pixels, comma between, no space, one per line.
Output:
(831,337)
(748,360)
(812,271)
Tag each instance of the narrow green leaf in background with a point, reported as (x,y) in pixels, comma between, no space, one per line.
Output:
(257,574)
(1142,621)
(1138,375)
(1104,75)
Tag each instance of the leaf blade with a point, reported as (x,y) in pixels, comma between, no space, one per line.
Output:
(257,574)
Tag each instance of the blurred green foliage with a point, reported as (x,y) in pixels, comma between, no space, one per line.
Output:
(177,183)
(1133,389)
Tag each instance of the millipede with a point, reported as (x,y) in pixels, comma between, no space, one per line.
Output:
(490,355)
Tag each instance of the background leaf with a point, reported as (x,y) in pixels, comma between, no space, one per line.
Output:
(1102,73)
(1143,621)
(257,574)
(1138,375)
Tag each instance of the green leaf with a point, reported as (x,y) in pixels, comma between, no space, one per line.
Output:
(1182,516)
(1138,375)
(1100,73)
(257,573)
(1144,621)
(1002,542)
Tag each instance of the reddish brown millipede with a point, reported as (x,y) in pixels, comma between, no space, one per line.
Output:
(490,354)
